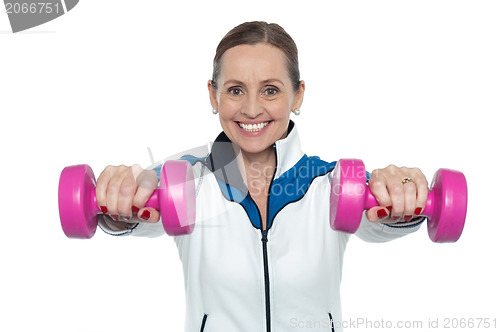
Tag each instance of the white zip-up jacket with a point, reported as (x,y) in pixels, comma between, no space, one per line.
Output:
(240,278)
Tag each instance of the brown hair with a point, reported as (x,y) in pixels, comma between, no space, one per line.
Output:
(251,33)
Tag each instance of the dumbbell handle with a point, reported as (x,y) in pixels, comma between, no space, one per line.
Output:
(371,201)
(153,202)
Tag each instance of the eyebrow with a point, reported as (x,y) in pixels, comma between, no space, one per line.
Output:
(268,81)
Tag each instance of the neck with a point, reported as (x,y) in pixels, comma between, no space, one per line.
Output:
(265,157)
(256,166)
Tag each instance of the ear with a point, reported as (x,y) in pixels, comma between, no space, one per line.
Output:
(213,95)
(299,96)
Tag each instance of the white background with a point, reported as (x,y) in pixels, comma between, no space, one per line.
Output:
(413,83)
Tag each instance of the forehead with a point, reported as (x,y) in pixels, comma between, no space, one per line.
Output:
(260,61)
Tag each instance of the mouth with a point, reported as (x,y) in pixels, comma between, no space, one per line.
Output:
(253,127)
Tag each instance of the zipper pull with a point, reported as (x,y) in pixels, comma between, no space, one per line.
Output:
(264,236)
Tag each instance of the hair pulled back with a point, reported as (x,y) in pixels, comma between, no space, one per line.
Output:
(251,33)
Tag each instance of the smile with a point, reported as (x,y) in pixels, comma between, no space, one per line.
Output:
(253,127)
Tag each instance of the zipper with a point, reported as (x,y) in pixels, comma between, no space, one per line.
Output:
(266,281)
(332,325)
(203,322)
(264,250)
(266,268)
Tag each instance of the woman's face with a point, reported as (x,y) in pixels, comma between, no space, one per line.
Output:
(254,96)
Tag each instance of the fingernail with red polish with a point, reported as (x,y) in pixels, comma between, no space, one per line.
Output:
(145,215)
(396,218)
(408,218)
(135,209)
(418,211)
(381,213)
(104,209)
(114,217)
(389,208)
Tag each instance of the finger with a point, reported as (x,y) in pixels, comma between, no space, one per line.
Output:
(410,200)
(377,214)
(113,191)
(147,183)
(148,215)
(378,187)
(422,193)
(396,192)
(101,188)
(127,192)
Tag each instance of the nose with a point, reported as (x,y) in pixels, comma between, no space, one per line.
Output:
(252,107)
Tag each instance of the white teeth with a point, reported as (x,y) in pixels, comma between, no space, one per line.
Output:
(253,127)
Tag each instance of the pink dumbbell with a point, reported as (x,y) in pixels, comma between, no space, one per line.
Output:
(446,206)
(174,198)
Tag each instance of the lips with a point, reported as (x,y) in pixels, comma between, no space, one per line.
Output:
(253,127)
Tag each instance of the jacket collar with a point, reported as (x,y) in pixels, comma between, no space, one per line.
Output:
(288,150)
(222,159)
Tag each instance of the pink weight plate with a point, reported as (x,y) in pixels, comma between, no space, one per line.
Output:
(347,195)
(448,206)
(77,207)
(177,197)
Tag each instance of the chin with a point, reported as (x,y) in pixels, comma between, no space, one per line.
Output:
(252,148)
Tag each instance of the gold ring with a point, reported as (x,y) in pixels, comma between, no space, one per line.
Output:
(406,180)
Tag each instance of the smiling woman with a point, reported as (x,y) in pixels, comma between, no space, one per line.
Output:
(266,256)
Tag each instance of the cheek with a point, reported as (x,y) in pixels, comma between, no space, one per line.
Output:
(279,108)
(228,108)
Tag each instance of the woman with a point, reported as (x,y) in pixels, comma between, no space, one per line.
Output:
(262,256)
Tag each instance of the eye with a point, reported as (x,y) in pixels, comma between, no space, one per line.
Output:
(271,91)
(235,91)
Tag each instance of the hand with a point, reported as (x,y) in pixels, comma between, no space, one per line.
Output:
(398,201)
(122,191)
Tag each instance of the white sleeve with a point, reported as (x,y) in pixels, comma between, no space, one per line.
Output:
(379,232)
(140,229)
